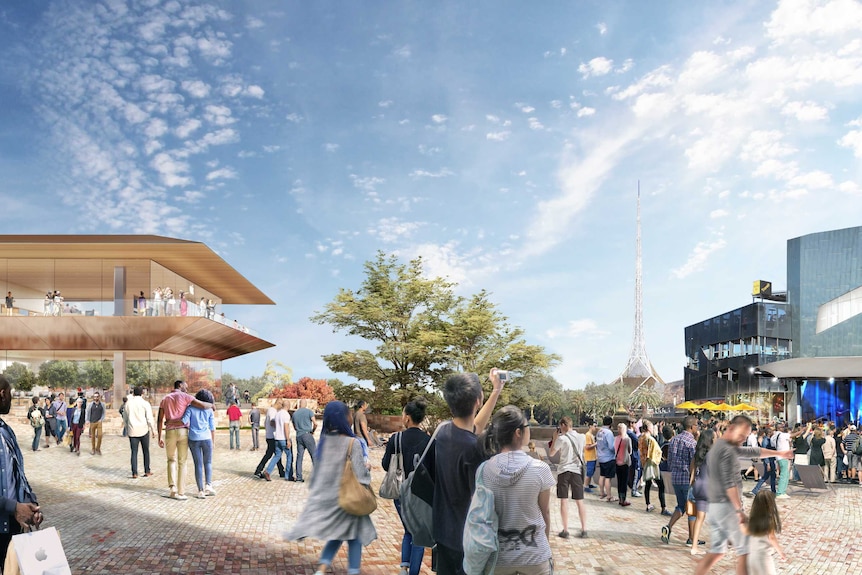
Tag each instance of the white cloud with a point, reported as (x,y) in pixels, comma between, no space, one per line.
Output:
(218,115)
(795,19)
(389,230)
(442,173)
(385,103)
(444,261)
(187,128)
(596,67)
(525,108)
(762,145)
(814,180)
(501,136)
(586,111)
(369,183)
(439,118)
(293,117)
(719,213)
(577,328)
(805,111)
(196,88)
(255,91)
(535,124)
(852,140)
(403,52)
(271,149)
(331,147)
(253,23)
(698,258)
(172,172)
(225,173)
(602,28)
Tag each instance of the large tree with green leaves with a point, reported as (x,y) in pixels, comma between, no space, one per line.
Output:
(97,374)
(644,397)
(400,311)
(422,331)
(20,377)
(59,374)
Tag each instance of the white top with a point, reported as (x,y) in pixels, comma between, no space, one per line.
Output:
(781,441)
(569,460)
(138,416)
(270,415)
(282,419)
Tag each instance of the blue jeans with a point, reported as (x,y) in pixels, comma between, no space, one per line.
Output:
(411,555)
(234,433)
(591,470)
(354,554)
(37,434)
(61,429)
(202,455)
(768,473)
(784,470)
(281,448)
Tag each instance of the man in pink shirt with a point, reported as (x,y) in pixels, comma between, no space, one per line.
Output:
(176,441)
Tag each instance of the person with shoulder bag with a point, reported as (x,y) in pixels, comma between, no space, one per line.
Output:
(402,450)
(339,462)
(37,421)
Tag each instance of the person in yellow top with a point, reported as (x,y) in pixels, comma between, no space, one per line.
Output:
(590,457)
(650,453)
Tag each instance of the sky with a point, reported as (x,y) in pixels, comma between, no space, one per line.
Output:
(501,142)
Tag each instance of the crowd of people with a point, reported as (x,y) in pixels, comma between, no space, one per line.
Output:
(163,302)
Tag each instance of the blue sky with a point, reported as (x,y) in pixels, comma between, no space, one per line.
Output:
(500,141)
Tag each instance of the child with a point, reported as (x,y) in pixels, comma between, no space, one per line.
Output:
(763,524)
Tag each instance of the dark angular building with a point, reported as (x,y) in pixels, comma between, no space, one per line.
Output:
(723,352)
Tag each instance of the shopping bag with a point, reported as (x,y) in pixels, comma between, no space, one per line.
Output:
(36,553)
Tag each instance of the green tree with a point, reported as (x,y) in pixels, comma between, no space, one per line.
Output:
(20,376)
(59,374)
(551,401)
(403,313)
(644,397)
(98,374)
(158,375)
(276,374)
(576,401)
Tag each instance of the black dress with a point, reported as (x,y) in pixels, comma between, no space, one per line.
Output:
(815,456)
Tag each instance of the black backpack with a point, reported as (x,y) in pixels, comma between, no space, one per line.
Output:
(857,446)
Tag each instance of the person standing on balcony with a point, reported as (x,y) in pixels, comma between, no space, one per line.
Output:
(95,416)
(10,303)
(142,304)
(184,304)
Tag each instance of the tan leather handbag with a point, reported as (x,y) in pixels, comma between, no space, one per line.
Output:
(353,497)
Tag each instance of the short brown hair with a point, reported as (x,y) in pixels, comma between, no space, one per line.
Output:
(567,421)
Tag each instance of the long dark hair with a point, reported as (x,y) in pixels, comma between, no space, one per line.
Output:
(764,518)
(704,443)
(501,432)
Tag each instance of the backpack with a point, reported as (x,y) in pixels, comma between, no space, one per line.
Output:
(36,418)
(857,446)
(480,530)
(417,496)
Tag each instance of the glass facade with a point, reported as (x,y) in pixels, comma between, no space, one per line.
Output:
(723,351)
(823,272)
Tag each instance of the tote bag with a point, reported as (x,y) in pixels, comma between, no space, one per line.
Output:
(36,553)
(417,497)
(391,486)
(354,497)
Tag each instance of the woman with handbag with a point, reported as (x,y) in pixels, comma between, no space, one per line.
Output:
(650,453)
(699,481)
(623,450)
(406,446)
(339,464)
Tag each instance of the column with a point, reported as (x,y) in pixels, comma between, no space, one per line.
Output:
(119,379)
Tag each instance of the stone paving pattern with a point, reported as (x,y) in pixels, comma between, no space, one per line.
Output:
(113,524)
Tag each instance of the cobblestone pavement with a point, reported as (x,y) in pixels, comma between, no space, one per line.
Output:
(113,524)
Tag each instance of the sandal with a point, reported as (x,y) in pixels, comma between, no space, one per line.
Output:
(612,500)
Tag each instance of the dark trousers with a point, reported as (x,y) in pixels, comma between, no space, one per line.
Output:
(449,561)
(5,538)
(304,442)
(144,442)
(622,481)
(659,483)
(270,451)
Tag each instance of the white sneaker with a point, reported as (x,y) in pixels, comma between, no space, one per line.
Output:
(208,490)
(782,496)
(201,495)
(177,496)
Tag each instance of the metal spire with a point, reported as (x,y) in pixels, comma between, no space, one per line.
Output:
(639,365)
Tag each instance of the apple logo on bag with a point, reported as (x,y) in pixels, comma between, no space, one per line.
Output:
(41,555)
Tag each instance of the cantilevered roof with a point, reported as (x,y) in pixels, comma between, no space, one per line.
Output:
(815,367)
(184,336)
(193,261)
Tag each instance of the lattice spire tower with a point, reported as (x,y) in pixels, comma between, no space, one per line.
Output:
(639,369)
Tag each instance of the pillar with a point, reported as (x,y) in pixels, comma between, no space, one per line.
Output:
(120,292)
(119,379)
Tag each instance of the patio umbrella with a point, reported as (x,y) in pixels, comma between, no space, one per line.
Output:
(723,407)
(744,407)
(688,405)
(709,406)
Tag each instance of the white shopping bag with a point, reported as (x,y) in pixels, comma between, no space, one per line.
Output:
(37,553)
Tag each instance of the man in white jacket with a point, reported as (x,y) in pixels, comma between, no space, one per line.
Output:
(138,419)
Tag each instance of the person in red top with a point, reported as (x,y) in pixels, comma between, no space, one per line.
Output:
(176,441)
(234,415)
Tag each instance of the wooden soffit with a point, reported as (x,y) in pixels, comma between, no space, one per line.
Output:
(187,336)
(193,261)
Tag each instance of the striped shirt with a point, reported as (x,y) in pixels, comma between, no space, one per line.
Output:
(680,453)
(849,440)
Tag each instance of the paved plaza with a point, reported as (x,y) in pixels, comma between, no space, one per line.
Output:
(113,524)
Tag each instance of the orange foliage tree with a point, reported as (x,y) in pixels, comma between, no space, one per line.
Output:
(306,388)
